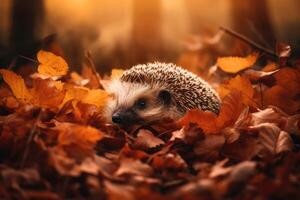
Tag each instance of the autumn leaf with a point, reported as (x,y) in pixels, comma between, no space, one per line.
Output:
(211,123)
(289,79)
(47,93)
(133,167)
(17,85)
(96,97)
(238,83)
(280,97)
(51,64)
(236,64)
(116,73)
(273,139)
(74,92)
(77,138)
(146,140)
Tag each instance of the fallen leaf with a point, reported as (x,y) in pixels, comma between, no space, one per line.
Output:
(238,83)
(51,64)
(47,93)
(169,161)
(280,97)
(236,64)
(209,148)
(231,109)
(146,140)
(116,73)
(96,97)
(130,166)
(17,85)
(273,139)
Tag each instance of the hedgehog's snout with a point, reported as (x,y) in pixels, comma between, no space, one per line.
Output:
(124,117)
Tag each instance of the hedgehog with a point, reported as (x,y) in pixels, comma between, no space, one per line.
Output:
(151,92)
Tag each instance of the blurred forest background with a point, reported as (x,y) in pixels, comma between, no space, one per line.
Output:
(121,33)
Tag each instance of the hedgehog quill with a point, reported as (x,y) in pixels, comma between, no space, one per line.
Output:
(154,91)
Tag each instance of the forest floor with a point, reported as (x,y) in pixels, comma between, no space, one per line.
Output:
(54,143)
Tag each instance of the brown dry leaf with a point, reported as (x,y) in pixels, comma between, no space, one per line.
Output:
(129,166)
(238,83)
(219,170)
(245,148)
(188,134)
(146,140)
(268,115)
(272,139)
(17,85)
(47,93)
(209,148)
(116,191)
(289,79)
(255,75)
(240,175)
(236,64)
(280,97)
(51,64)
(84,137)
(65,165)
(169,161)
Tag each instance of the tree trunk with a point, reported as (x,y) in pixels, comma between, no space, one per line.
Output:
(146,31)
(252,19)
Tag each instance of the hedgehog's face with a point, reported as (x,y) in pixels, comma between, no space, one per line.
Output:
(133,103)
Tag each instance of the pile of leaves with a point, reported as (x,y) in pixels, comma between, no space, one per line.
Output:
(55,144)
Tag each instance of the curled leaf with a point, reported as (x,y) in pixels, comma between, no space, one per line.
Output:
(236,64)
(51,64)
(17,85)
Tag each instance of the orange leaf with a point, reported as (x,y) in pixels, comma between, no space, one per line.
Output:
(83,136)
(116,73)
(96,96)
(51,64)
(238,83)
(289,79)
(211,123)
(75,92)
(17,85)
(282,98)
(47,93)
(236,64)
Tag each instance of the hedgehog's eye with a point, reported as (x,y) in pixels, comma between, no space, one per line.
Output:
(141,103)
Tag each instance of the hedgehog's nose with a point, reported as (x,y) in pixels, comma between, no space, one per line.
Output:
(117,118)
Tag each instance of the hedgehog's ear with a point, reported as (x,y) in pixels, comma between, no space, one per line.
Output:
(165,97)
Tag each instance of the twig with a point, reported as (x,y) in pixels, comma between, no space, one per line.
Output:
(29,140)
(30,59)
(250,42)
(90,64)
(261,95)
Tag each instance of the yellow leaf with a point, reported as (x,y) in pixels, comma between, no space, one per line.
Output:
(116,73)
(17,85)
(75,92)
(236,64)
(96,96)
(47,93)
(51,64)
